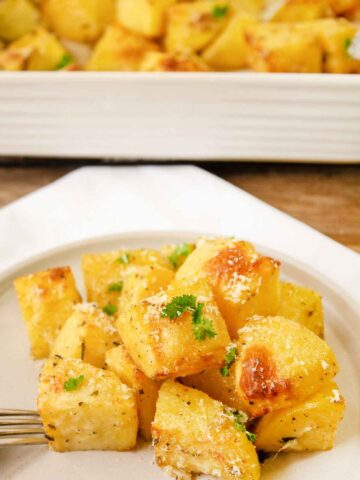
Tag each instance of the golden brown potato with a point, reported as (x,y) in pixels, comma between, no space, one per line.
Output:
(85,408)
(146,390)
(17,18)
(175,333)
(283,47)
(195,434)
(177,254)
(192,26)
(104,273)
(244,282)
(280,363)
(254,8)
(343,6)
(46,301)
(302,305)
(229,51)
(335,37)
(87,334)
(297,10)
(307,426)
(170,62)
(146,17)
(39,50)
(79,20)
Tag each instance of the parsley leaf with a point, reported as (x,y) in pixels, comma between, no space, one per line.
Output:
(65,61)
(240,419)
(220,11)
(230,358)
(115,287)
(73,383)
(178,306)
(180,253)
(202,327)
(110,309)
(124,258)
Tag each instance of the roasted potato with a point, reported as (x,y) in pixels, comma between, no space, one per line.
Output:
(307,426)
(297,10)
(39,50)
(104,273)
(192,26)
(79,20)
(343,6)
(46,301)
(171,62)
(284,47)
(87,334)
(193,433)
(244,282)
(177,332)
(17,17)
(254,8)
(229,51)
(146,390)
(177,254)
(280,363)
(302,305)
(86,408)
(146,17)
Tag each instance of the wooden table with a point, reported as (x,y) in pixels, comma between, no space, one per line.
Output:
(325,197)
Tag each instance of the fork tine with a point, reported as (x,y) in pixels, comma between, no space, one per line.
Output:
(19,421)
(20,431)
(12,442)
(15,413)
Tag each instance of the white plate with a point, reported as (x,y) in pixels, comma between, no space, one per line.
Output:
(18,381)
(206,116)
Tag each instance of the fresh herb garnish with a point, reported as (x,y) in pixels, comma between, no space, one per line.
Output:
(230,358)
(220,11)
(65,61)
(73,383)
(115,287)
(180,253)
(347,44)
(110,309)
(124,258)
(202,327)
(240,419)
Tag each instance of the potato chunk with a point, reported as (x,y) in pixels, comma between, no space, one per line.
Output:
(343,6)
(192,26)
(17,17)
(307,426)
(170,62)
(280,363)
(86,408)
(104,273)
(87,335)
(79,20)
(194,434)
(46,301)
(38,50)
(335,37)
(297,10)
(146,390)
(302,305)
(229,51)
(146,17)
(192,340)
(284,47)
(244,282)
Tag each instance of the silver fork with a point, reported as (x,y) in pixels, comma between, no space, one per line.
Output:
(21,427)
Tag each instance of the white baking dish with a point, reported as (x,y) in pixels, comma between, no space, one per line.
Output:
(191,116)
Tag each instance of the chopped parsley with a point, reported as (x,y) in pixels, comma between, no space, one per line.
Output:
(180,253)
(73,383)
(240,419)
(65,61)
(124,258)
(230,358)
(110,309)
(220,11)
(202,327)
(115,287)
(347,43)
